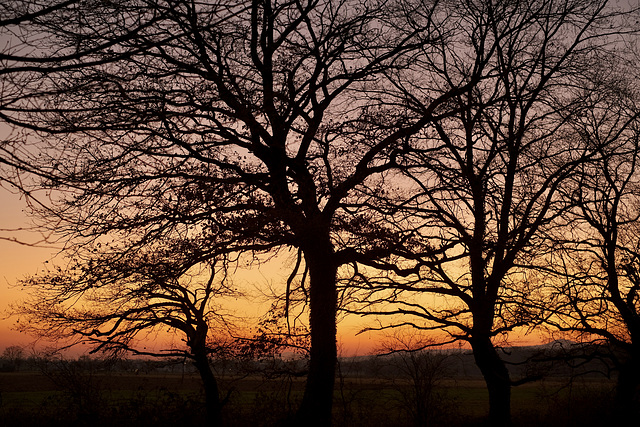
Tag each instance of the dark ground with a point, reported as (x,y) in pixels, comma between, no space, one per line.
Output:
(175,399)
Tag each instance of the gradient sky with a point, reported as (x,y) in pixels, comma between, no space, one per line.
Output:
(16,261)
(19,260)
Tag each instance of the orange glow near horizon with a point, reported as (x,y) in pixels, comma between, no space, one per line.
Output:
(18,261)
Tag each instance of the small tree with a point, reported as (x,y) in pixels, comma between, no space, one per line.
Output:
(420,371)
(14,356)
(114,300)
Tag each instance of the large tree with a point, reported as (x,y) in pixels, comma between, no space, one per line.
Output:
(261,118)
(596,296)
(482,187)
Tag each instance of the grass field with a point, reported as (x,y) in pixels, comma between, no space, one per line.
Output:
(175,399)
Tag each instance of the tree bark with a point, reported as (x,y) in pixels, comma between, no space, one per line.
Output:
(317,401)
(496,376)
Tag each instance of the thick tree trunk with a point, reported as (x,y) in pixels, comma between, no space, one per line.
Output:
(496,376)
(211,391)
(317,401)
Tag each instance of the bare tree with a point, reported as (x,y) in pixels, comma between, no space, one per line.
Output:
(281,124)
(14,355)
(257,118)
(421,372)
(598,262)
(483,187)
(114,299)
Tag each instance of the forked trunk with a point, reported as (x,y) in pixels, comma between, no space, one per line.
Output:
(496,376)
(317,401)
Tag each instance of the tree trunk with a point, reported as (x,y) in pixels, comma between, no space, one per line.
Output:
(317,401)
(496,376)
(211,392)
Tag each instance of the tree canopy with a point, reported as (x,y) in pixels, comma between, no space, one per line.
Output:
(401,148)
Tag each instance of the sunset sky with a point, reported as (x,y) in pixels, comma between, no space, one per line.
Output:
(20,260)
(16,261)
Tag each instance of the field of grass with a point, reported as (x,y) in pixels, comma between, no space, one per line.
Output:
(175,399)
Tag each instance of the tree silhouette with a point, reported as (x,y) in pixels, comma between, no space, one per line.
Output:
(22,53)
(598,299)
(486,185)
(110,298)
(428,140)
(269,120)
